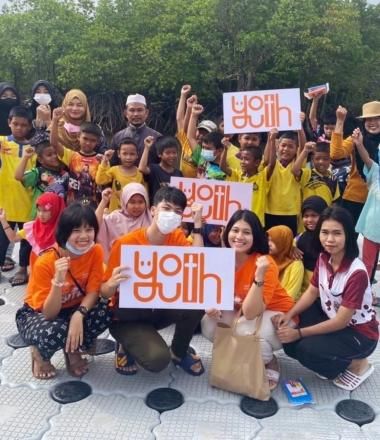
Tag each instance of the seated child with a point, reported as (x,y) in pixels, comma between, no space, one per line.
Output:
(133,214)
(158,175)
(318,180)
(119,175)
(40,233)
(291,272)
(307,242)
(48,176)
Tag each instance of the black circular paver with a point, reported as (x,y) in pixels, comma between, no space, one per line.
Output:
(16,341)
(164,399)
(2,302)
(70,392)
(259,409)
(355,411)
(102,346)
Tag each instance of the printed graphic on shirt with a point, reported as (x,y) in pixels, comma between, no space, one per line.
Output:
(82,186)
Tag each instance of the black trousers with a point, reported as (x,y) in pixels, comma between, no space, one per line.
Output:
(25,247)
(331,353)
(136,331)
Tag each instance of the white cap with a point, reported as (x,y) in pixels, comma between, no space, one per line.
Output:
(136,99)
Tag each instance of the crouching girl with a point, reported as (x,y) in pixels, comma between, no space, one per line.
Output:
(62,308)
(257,289)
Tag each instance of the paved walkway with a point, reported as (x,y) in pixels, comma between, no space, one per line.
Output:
(116,408)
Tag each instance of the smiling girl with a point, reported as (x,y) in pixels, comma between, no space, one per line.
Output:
(338,328)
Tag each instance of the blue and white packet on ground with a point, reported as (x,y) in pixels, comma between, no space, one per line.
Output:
(297,392)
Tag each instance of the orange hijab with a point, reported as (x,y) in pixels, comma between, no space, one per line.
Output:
(71,140)
(282,237)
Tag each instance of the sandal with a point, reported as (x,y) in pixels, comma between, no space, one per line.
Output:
(124,362)
(189,361)
(349,381)
(43,370)
(8,265)
(76,366)
(19,278)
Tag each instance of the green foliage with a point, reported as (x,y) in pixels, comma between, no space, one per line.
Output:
(154,46)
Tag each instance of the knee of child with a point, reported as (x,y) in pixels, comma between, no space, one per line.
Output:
(156,359)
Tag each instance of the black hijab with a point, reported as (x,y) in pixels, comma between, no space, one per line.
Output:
(5,107)
(56,97)
(371,143)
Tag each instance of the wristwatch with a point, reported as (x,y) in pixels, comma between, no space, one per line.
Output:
(196,230)
(82,310)
(259,283)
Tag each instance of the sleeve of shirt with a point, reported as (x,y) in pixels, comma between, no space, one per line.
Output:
(294,279)
(30,178)
(315,278)
(352,296)
(104,175)
(40,283)
(265,182)
(66,157)
(305,176)
(113,261)
(371,173)
(96,273)
(339,148)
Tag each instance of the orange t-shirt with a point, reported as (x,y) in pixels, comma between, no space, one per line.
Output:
(138,237)
(274,295)
(86,269)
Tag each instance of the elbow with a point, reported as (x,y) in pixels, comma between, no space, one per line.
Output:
(49,316)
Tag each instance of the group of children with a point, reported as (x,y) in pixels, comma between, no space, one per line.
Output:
(109,194)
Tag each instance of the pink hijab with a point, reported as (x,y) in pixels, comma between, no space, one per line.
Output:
(119,222)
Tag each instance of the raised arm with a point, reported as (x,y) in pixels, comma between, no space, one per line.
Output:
(193,122)
(27,154)
(357,138)
(54,138)
(271,152)
(313,115)
(301,134)
(301,159)
(102,177)
(196,211)
(223,159)
(106,197)
(181,109)
(340,148)
(143,165)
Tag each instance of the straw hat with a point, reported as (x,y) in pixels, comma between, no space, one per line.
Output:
(370,110)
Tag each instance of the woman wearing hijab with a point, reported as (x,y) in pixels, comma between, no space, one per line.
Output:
(134,214)
(280,240)
(212,235)
(76,111)
(9,98)
(45,99)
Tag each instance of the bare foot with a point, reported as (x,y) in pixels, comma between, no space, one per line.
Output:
(41,369)
(76,365)
(358,366)
(273,372)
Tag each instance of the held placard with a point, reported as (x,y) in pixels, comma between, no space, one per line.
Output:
(177,277)
(219,199)
(261,110)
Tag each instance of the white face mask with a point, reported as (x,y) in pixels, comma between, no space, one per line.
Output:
(167,221)
(207,155)
(42,98)
(76,251)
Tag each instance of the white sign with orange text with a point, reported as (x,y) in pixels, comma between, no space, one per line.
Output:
(178,277)
(262,110)
(219,199)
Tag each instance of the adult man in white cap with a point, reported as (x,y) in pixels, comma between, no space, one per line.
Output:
(136,114)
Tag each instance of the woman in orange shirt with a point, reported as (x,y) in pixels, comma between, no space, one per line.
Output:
(62,308)
(257,288)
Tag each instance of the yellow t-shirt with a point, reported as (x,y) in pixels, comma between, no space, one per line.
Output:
(232,161)
(260,187)
(284,197)
(292,277)
(116,176)
(14,197)
(319,185)
(187,165)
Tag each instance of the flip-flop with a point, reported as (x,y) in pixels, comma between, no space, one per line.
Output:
(124,363)
(8,265)
(19,279)
(349,381)
(188,361)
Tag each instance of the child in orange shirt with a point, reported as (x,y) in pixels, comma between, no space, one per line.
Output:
(258,291)
(62,308)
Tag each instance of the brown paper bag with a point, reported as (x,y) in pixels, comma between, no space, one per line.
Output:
(237,364)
